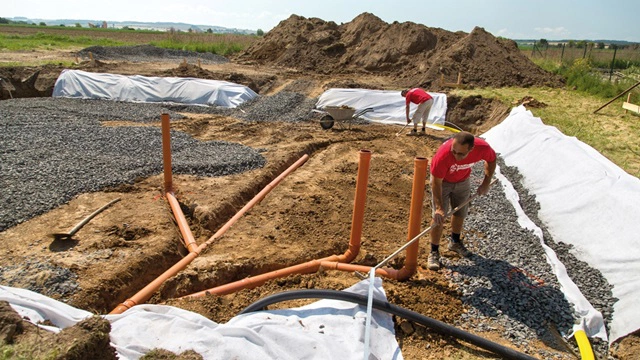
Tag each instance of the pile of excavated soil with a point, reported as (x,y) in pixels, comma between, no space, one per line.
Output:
(419,55)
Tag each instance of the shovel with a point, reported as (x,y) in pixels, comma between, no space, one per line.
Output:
(68,236)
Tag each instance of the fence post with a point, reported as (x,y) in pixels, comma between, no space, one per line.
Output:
(613,61)
(562,53)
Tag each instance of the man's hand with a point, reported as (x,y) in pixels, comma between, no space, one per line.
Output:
(483,189)
(408,121)
(438,217)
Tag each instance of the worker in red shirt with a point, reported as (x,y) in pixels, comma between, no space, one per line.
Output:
(424,102)
(451,186)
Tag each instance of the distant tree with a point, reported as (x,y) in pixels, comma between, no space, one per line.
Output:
(571,43)
(600,45)
(581,44)
(42,23)
(259,32)
(544,43)
(4,21)
(62,25)
(78,25)
(209,30)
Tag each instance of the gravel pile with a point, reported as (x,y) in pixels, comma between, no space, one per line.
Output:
(148,53)
(54,149)
(283,106)
(508,283)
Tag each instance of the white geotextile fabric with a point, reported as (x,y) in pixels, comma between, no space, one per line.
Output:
(586,201)
(388,106)
(325,329)
(136,88)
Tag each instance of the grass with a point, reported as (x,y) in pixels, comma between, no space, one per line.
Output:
(42,41)
(25,38)
(610,131)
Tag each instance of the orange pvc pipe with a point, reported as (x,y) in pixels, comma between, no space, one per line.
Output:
(146,293)
(183,224)
(415,217)
(181,220)
(166,152)
(313,265)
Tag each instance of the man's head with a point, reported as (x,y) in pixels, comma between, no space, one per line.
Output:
(404,92)
(462,145)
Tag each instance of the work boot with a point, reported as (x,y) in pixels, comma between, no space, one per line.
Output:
(414,132)
(424,129)
(458,247)
(433,261)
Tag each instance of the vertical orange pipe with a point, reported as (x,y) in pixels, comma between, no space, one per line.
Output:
(362,181)
(183,225)
(415,217)
(166,152)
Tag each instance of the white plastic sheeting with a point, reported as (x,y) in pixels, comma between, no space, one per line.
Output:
(586,201)
(136,88)
(326,329)
(388,106)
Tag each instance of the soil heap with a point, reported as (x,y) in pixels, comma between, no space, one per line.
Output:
(420,55)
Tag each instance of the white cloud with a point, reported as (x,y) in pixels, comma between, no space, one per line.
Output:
(557,31)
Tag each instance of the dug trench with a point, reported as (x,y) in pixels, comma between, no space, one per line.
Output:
(307,216)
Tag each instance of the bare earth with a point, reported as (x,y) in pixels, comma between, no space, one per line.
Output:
(307,216)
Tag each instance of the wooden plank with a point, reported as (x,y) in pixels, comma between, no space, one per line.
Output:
(631,107)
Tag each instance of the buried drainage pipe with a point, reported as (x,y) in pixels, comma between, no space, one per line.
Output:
(146,293)
(313,265)
(385,306)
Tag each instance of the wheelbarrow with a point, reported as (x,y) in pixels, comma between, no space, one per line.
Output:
(341,114)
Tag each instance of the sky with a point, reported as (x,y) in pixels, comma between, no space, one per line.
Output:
(513,19)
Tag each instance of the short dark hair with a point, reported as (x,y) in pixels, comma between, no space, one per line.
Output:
(464,138)
(404,92)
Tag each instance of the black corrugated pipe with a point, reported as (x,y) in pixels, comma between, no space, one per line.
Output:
(436,325)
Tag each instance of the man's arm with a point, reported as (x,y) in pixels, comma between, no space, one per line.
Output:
(489,169)
(407,111)
(436,193)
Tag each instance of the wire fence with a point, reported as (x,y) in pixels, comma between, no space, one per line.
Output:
(614,59)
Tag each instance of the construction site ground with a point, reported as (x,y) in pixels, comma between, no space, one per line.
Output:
(307,216)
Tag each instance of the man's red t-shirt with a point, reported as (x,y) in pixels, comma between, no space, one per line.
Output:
(445,166)
(417,96)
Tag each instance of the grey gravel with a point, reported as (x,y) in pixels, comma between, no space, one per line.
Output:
(508,279)
(148,53)
(53,149)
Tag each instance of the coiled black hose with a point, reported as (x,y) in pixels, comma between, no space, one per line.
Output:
(436,325)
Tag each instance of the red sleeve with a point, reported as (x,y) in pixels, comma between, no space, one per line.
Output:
(439,163)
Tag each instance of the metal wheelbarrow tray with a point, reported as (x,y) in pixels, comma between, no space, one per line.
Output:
(340,114)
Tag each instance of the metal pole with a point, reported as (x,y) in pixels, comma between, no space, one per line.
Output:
(613,61)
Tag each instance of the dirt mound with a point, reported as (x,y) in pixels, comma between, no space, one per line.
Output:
(28,81)
(417,54)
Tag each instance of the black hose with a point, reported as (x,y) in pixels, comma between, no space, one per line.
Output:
(436,325)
